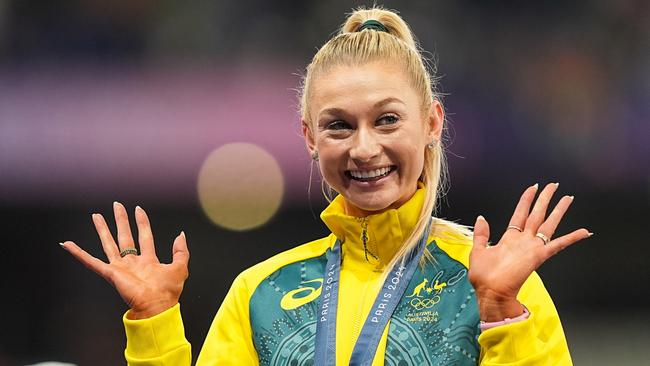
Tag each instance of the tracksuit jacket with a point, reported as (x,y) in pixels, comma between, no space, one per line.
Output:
(269,315)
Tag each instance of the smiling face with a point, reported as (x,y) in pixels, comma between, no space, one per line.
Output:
(370,130)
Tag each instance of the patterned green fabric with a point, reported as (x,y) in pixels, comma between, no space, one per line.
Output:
(286,337)
(435,323)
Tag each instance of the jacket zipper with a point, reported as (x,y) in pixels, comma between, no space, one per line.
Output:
(356,326)
(364,237)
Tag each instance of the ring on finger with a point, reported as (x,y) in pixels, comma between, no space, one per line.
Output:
(544,238)
(515,227)
(128,251)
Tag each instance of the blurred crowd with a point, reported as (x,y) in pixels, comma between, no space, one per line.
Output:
(566,81)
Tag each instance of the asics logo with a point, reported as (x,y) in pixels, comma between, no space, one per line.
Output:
(302,295)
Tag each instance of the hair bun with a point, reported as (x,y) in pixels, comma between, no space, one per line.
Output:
(389,20)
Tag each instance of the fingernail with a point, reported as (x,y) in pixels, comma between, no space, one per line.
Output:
(138,208)
(183,233)
(480,217)
(536,185)
(62,245)
(590,234)
(557,184)
(571,197)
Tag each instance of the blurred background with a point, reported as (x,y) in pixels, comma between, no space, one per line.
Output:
(183,107)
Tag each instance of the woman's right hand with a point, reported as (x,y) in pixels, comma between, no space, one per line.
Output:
(146,285)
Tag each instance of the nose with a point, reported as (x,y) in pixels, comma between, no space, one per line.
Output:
(365,146)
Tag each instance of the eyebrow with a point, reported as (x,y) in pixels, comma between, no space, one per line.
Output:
(379,104)
(388,100)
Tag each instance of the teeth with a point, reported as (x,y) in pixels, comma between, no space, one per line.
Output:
(369,174)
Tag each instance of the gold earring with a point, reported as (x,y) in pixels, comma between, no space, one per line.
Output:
(314,156)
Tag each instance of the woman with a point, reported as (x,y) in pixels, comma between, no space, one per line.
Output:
(390,284)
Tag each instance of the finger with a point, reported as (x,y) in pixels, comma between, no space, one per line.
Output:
(523,207)
(557,245)
(145,236)
(180,253)
(105,236)
(481,234)
(124,237)
(92,263)
(538,214)
(553,220)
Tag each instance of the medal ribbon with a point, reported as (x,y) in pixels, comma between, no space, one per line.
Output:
(380,313)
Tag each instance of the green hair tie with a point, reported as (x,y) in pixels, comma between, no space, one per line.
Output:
(372,24)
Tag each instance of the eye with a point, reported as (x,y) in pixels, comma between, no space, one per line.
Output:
(337,125)
(388,119)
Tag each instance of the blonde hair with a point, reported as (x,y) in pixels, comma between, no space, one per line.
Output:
(351,47)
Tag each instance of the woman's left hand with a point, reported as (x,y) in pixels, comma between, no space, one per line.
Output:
(497,272)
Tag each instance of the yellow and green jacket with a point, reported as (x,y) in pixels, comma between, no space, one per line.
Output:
(269,315)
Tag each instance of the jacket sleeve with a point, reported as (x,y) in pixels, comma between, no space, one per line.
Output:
(160,340)
(538,340)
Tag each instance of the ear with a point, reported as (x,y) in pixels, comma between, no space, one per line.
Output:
(435,121)
(309,137)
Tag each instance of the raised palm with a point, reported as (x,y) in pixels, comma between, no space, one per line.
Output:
(146,285)
(498,271)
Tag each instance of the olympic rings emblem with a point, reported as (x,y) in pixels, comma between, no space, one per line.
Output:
(419,304)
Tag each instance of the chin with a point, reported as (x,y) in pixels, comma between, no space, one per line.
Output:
(371,205)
